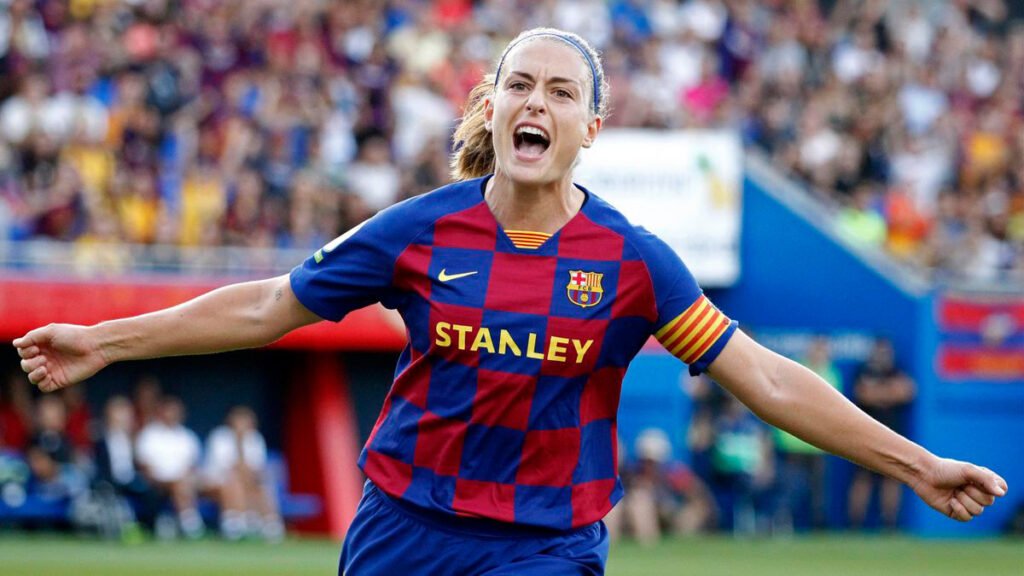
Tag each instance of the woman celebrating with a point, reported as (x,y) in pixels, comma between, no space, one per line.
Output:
(525,297)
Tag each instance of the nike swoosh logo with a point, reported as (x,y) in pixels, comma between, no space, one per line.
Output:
(444,276)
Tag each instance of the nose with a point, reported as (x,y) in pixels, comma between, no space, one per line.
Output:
(535,103)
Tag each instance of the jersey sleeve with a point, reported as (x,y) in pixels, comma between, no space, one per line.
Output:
(689,326)
(355,269)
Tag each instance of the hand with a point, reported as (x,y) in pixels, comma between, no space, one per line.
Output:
(59,355)
(959,490)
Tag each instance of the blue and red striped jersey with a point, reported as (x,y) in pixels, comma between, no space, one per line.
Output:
(504,401)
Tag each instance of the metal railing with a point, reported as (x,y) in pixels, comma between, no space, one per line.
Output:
(113,260)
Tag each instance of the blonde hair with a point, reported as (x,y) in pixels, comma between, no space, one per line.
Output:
(473,143)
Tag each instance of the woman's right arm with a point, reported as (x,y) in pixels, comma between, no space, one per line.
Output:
(238,316)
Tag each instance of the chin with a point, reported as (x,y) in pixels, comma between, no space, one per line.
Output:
(528,174)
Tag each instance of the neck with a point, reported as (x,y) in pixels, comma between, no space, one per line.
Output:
(544,208)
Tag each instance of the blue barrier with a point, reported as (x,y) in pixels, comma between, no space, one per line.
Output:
(798,280)
(798,276)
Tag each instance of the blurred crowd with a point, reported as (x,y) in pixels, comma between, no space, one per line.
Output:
(129,466)
(272,123)
(133,470)
(747,478)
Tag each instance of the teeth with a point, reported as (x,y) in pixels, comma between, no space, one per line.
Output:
(532,130)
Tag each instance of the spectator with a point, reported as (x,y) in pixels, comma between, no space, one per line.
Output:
(15,414)
(50,454)
(884,392)
(235,473)
(373,177)
(168,455)
(741,458)
(116,470)
(79,421)
(662,494)
(860,222)
(707,399)
(801,466)
(146,402)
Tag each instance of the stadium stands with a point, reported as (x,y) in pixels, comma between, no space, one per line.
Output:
(247,124)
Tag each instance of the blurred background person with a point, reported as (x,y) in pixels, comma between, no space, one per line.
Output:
(706,399)
(885,392)
(51,456)
(168,455)
(116,472)
(146,401)
(235,474)
(743,467)
(801,496)
(15,413)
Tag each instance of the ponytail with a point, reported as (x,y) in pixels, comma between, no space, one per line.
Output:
(474,149)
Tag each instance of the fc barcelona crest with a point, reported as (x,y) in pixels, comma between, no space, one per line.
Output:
(584,288)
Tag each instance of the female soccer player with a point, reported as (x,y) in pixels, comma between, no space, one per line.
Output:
(525,297)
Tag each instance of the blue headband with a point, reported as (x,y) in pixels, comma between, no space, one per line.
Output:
(571,42)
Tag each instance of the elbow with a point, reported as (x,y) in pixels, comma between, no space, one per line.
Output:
(261,318)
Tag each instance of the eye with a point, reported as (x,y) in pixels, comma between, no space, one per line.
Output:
(517,86)
(563,93)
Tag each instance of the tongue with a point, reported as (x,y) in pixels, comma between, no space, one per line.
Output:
(532,148)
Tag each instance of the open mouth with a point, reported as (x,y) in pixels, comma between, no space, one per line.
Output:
(531,141)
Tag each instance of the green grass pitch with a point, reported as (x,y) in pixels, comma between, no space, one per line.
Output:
(835,555)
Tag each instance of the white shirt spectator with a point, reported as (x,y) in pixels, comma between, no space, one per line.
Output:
(19,117)
(421,116)
(30,38)
(169,453)
(921,106)
(852,60)
(119,448)
(588,18)
(223,452)
(915,32)
(706,18)
(68,113)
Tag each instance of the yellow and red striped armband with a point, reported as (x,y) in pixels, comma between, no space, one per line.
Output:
(692,333)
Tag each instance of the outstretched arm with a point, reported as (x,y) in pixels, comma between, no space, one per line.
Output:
(789,396)
(241,315)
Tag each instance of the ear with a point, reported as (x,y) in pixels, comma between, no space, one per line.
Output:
(593,127)
(488,112)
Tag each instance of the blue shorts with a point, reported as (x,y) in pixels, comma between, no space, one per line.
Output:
(388,537)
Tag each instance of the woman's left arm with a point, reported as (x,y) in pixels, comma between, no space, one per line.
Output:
(789,396)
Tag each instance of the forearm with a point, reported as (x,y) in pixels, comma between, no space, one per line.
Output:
(238,316)
(806,406)
(789,396)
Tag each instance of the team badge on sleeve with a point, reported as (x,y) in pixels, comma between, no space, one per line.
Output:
(584,288)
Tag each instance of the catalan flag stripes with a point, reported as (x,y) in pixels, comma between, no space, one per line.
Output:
(692,333)
(526,238)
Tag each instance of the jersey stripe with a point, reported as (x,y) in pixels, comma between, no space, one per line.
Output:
(692,333)
(526,238)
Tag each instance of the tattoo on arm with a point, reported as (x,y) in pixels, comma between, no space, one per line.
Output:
(277,294)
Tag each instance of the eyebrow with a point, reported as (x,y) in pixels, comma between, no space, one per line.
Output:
(553,80)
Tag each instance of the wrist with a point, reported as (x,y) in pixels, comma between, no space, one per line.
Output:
(103,342)
(917,468)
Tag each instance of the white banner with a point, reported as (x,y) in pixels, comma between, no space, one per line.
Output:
(682,186)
